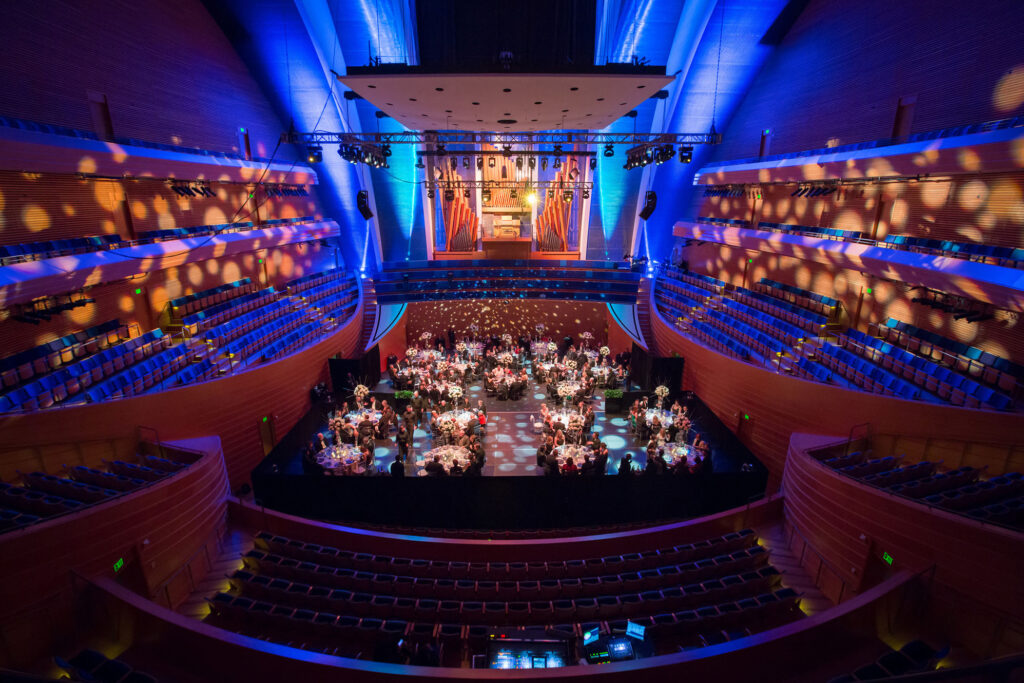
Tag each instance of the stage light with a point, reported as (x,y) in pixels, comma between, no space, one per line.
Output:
(519,163)
(385,150)
(314,154)
(479,163)
(465,162)
(455,163)
(430,193)
(593,163)
(586,193)
(557,163)
(567,196)
(419,162)
(486,194)
(531,198)
(543,163)
(685,155)
(449,195)
(513,194)
(490,162)
(532,161)
(609,150)
(574,173)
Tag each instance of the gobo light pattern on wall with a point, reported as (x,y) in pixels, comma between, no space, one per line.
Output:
(517,317)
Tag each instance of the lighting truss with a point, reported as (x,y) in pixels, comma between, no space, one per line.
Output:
(486,185)
(480,138)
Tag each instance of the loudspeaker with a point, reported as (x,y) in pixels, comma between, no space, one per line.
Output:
(650,203)
(363,203)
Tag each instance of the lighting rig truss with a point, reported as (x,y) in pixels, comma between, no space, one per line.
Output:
(320,138)
(551,186)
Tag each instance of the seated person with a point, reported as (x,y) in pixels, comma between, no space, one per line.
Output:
(569,467)
(456,469)
(434,468)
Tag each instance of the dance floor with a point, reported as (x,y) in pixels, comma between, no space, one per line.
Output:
(511,443)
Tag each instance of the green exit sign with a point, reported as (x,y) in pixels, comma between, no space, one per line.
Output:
(887,558)
(119,565)
(138,290)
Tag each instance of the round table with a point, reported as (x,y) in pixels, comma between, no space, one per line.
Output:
(357,416)
(462,417)
(570,451)
(664,416)
(340,460)
(448,455)
(677,453)
(506,358)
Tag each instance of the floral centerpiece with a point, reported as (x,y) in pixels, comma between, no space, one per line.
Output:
(586,336)
(566,391)
(361,391)
(570,364)
(661,391)
(461,347)
(447,423)
(411,352)
(507,338)
(426,336)
(455,392)
(575,421)
(604,351)
(552,346)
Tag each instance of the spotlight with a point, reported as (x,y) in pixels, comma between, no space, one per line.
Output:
(430,193)
(593,163)
(532,161)
(685,155)
(490,162)
(486,195)
(531,198)
(385,150)
(557,163)
(567,196)
(519,163)
(314,154)
(543,163)
(479,163)
(513,194)
(586,192)
(573,173)
(465,162)
(609,150)
(419,162)
(449,195)
(455,163)
(465,193)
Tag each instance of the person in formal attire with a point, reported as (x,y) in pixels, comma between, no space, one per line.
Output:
(397,468)
(402,441)
(626,465)
(570,467)
(601,461)
(321,442)
(474,469)
(551,465)
(455,470)
(434,468)
(587,468)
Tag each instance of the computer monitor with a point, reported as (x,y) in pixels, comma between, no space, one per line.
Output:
(634,630)
(591,636)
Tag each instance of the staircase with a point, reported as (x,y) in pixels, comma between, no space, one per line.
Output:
(369,313)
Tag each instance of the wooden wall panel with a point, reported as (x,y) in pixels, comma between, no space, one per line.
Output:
(156,530)
(974,564)
(779,404)
(231,407)
(183,85)
(838,74)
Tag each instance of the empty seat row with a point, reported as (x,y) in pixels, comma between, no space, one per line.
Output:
(31,251)
(738,561)
(498,612)
(763,343)
(200,321)
(652,558)
(965,358)
(238,326)
(72,379)
(252,343)
(784,310)
(196,231)
(40,360)
(312,280)
(707,282)
(829,233)
(141,377)
(1009,256)
(867,375)
(801,294)
(943,381)
(766,322)
(291,342)
(725,343)
(190,303)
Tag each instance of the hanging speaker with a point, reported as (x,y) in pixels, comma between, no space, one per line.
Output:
(650,203)
(363,203)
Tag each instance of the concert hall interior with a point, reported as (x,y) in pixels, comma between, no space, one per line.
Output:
(448,339)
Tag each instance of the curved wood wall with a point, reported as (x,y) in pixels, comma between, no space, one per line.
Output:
(779,404)
(973,568)
(231,407)
(157,530)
